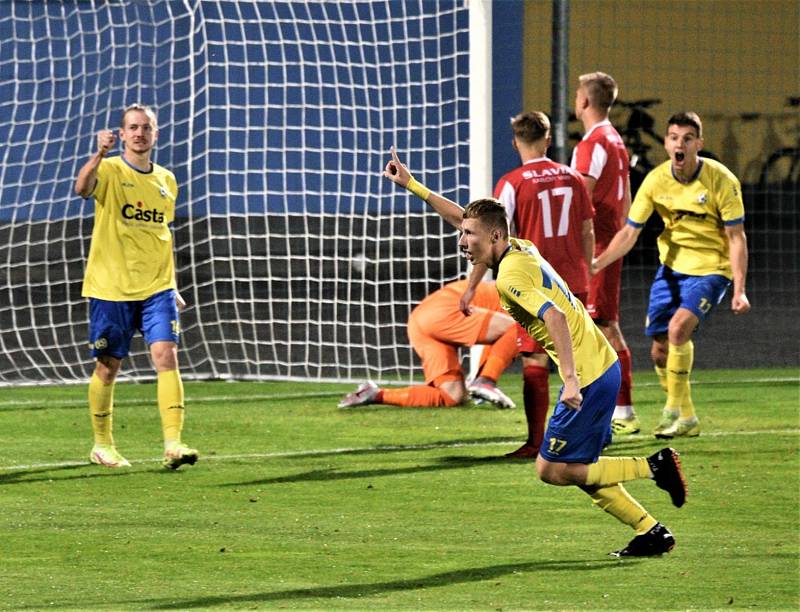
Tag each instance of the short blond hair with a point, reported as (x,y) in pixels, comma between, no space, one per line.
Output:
(601,89)
(490,212)
(151,114)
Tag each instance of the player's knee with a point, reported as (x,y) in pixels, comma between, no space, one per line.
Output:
(547,472)
(107,368)
(680,334)
(164,356)
(453,396)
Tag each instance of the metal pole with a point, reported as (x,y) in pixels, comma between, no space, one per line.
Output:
(560,86)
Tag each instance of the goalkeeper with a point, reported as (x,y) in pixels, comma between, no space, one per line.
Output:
(130,280)
(436,328)
(541,302)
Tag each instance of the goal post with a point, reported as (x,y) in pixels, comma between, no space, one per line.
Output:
(298,260)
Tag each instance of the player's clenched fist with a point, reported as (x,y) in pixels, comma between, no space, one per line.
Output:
(105,140)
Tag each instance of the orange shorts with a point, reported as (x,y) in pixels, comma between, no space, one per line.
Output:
(437,330)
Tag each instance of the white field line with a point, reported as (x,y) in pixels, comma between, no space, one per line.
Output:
(378,448)
(11,404)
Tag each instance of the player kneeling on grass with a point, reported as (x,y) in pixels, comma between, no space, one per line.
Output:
(436,328)
(130,280)
(539,300)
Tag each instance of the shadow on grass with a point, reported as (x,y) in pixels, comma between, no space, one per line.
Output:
(18,476)
(45,474)
(332,474)
(462,576)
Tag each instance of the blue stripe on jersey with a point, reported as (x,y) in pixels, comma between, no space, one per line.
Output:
(549,277)
(545,307)
(633,223)
(734,221)
(547,281)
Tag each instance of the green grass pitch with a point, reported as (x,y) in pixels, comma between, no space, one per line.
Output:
(297,504)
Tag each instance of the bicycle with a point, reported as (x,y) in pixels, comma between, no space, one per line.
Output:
(782,166)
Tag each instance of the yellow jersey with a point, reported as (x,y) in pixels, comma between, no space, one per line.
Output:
(131,254)
(528,286)
(695,215)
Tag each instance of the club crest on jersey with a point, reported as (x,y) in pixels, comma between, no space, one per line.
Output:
(702,198)
(163,191)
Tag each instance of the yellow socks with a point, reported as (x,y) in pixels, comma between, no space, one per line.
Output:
(679,367)
(662,377)
(170,404)
(618,503)
(101,406)
(612,470)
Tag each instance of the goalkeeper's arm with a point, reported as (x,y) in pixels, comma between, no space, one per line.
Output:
(396,172)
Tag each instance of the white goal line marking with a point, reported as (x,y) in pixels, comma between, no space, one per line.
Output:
(10,404)
(378,448)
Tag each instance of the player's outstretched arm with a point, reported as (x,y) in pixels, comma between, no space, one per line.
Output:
(620,244)
(87,175)
(397,172)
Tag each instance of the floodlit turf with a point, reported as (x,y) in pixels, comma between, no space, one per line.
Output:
(297,504)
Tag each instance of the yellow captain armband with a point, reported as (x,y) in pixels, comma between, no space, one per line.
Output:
(418,189)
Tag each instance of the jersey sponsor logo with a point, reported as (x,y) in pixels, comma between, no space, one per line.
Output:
(137,213)
(126,184)
(681,214)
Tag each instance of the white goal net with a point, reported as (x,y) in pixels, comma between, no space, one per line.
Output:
(298,260)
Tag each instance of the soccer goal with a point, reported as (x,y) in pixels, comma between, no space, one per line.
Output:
(298,260)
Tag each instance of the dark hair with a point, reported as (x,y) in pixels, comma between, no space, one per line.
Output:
(491,213)
(687,119)
(139,107)
(531,126)
(601,89)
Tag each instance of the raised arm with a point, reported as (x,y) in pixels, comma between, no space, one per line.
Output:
(87,175)
(397,172)
(737,245)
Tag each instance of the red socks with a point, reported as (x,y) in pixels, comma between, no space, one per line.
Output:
(536,393)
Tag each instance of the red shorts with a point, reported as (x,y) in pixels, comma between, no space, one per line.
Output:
(604,291)
(526,344)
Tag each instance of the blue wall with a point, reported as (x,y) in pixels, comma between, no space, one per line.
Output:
(507,86)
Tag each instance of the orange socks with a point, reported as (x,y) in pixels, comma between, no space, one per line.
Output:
(498,356)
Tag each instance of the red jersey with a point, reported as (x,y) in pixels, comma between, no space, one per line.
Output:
(601,154)
(547,203)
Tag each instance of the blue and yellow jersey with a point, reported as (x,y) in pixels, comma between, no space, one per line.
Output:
(694,214)
(131,254)
(528,286)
